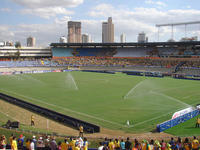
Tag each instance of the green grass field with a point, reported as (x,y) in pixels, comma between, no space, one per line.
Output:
(185,129)
(108,100)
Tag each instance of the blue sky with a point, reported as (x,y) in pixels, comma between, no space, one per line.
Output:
(47,19)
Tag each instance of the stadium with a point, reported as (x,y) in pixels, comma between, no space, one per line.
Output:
(128,87)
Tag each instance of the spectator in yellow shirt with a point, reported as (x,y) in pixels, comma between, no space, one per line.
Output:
(146,145)
(198,122)
(32,120)
(85,144)
(64,145)
(111,145)
(195,144)
(76,147)
(187,145)
(117,144)
(28,142)
(81,131)
(14,144)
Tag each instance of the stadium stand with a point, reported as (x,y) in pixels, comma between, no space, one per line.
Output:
(62,52)
(132,52)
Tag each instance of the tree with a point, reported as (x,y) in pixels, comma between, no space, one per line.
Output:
(17,44)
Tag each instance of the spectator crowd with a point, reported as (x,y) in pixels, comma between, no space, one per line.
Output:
(119,61)
(42,143)
(50,143)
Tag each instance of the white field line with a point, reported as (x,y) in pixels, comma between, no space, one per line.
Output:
(156,117)
(105,80)
(151,119)
(191,95)
(76,112)
(172,98)
(9,116)
(29,77)
(168,89)
(15,77)
(73,81)
(125,97)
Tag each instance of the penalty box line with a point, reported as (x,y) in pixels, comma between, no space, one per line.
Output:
(66,109)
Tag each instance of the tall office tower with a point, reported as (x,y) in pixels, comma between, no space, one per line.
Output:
(123,38)
(74,32)
(86,38)
(31,42)
(142,37)
(108,31)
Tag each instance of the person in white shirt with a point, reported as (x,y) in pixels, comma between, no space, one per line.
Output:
(101,146)
(32,145)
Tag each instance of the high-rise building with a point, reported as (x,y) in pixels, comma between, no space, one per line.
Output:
(108,31)
(31,42)
(74,32)
(86,38)
(142,37)
(123,38)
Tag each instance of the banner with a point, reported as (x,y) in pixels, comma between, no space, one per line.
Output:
(182,112)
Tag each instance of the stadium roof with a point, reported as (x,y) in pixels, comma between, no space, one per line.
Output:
(114,45)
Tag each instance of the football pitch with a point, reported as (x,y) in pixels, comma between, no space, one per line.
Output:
(107,100)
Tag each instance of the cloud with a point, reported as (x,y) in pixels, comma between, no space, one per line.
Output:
(44,33)
(62,21)
(5,9)
(47,8)
(131,22)
(5,33)
(48,3)
(158,3)
(47,12)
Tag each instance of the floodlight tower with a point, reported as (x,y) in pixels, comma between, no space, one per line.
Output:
(176,24)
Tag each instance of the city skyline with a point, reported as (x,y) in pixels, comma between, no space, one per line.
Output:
(46,20)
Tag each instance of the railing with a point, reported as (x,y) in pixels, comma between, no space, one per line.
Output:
(66,120)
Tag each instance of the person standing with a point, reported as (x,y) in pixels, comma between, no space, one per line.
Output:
(3,142)
(14,144)
(76,146)
(47,142)
(128,144)
(20,141)
(187,144)
(28,143)
(111,145)
(40,144)
(195,144)
(64,145)
(32,120)
(117,144)
(172,143)
(163,145)
(53,144)
(122,144)
(81,131)
(198,122)
(34,141)
(85,144)
(100,146)
(10,139)
(32,145)
(146,145)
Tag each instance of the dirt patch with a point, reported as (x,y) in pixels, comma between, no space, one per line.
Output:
(24,117)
